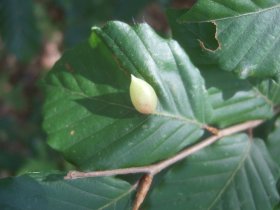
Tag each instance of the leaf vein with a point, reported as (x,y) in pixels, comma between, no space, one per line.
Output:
(232,176)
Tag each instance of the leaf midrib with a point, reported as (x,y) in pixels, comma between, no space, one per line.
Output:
(113,201)
(161,114)
(232,176)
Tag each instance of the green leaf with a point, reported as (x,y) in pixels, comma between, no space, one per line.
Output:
(18,28)
(192,36)
(235,100)
(234,173)
(273,142)
(88,114)
(270,88)
(205,10)
(247,43)
(45,192)
(142,52)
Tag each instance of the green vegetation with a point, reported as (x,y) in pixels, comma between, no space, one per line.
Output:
(70,137)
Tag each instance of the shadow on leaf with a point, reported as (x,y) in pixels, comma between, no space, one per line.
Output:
(114,105)
(226,82)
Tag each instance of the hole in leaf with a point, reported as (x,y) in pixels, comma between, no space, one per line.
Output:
(207,36)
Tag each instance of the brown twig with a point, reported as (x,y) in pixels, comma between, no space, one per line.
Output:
(212,130)
(250,133)
(156,168)
(204,143)
(121,171)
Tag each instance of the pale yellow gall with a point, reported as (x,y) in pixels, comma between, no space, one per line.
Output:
(143,96)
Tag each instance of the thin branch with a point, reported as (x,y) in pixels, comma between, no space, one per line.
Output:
(212,130)
(156,168)
(121,171)
(206,142)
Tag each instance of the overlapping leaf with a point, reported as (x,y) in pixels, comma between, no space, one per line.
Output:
(234,173)
(269,88)
(247,41)
(273,142)
(88,113)
(205,10)
(47,192)
(235,100)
